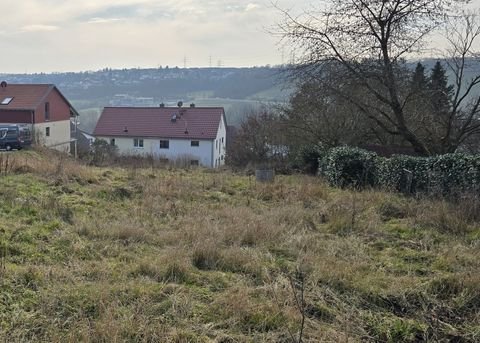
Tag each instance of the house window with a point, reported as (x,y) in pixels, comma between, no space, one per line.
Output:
(138,143)
(47,111)
(47,132)
(112,141)
(6,101)
(164,144)
(195,143)
(194,162)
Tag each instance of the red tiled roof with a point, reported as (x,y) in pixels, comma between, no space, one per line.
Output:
(25,97)
(191,122)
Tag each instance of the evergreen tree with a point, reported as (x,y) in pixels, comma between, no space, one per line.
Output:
(419,79)
(419,108)
(440,92)
(419,90)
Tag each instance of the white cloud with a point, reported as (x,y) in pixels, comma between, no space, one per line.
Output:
(103,20)
(84,35)
(251,7)
(39,28)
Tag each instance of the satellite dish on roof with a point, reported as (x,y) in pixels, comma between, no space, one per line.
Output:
(3,84)
(180,104)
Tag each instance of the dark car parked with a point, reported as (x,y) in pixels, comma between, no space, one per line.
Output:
(15,137)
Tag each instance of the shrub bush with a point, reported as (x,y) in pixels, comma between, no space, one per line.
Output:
(450,174)
(307,158)
(405,174)
(102,152)
(455,173)
(349,167)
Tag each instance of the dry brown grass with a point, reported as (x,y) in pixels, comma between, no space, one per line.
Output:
(147,254)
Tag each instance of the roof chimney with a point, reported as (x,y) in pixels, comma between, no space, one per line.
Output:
(162,105)
(192,105)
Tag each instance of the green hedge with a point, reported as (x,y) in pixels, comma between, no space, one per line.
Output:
(349,167)
(404,173)
(444,174)
(307,158)
(455,173)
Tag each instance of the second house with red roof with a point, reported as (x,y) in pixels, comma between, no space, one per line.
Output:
(196,135)
(41,107)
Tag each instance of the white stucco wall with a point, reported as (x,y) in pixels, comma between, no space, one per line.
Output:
(219,145)
(59,138)
(178,148)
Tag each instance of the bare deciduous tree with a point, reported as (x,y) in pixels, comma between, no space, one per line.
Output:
(259,140)
(369,39)
(316,115)
(462,60)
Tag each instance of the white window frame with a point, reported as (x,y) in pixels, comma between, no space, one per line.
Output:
(168,144)
(138,143)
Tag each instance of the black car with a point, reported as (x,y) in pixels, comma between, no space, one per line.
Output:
(15,137)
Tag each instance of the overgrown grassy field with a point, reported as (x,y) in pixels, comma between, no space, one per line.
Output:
(158,255)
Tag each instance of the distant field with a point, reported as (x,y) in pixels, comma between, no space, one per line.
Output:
(148,254)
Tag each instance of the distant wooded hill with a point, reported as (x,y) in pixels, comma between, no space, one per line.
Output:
(239,90)
(163,83)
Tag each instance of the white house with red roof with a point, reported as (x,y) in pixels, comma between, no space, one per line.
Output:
(194,134)
(41,106)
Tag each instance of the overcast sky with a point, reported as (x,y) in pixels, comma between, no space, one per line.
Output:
(74,35)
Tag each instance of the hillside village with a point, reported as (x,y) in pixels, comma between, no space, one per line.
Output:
(237,90)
